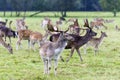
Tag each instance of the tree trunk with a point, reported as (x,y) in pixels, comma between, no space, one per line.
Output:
(4,14)
(63,13)
(114,14)
(11,14)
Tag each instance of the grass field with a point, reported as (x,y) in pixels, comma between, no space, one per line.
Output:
(26,64)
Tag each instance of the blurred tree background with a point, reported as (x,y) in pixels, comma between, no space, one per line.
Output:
(61,6)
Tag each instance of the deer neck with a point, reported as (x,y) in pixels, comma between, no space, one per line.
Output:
(87,37)
(101,38)
(61,43)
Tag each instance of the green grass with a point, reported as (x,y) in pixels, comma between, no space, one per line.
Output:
(26,64)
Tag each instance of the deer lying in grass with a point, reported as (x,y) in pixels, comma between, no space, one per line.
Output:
(78,42)
(95,42)
(52,50)
(7,46)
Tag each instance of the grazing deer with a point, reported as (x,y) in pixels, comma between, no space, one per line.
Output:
(78,42)
(117,28)
(95,42)
(52,50)
(7,46)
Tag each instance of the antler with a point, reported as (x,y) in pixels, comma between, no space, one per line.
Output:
(86,23)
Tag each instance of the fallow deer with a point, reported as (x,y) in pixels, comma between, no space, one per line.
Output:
(20,24)
(8,32)
(74,28)
(97,24)
(117,28)
(7,46)
(23,35)
(52,50)
(48,25)
(2,23)
(95,42)
(78,42)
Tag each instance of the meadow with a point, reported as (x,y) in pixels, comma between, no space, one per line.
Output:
(26,64)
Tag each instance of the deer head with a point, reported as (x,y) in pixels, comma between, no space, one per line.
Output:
(9,48)
(104,34)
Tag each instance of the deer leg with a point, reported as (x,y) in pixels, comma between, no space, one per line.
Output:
(18,44)
(9,39)
(55,66)
(71,54)
(78,51)
(28,43)
(95,50)
(49,65)
(61,58)
(85,48)
(5,37)
(45,66)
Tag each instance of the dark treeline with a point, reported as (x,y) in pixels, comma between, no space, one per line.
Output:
(59,5)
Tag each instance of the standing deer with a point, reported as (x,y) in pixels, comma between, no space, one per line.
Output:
(78,42)
(23,35)
(74,28)
(117,28)
(95,42)
(20,24)
(52,50)
(7,46)
(37,37)
(97,24)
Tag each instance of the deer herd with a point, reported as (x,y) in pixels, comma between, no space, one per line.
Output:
(52,47)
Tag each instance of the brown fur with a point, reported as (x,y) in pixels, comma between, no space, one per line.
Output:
(23,35)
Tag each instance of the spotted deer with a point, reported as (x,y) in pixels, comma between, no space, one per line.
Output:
(23,35)
(37,37)
(95,42)
(52,50)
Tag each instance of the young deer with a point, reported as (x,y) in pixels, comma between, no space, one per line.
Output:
(7,46)
(95,42)
(52,50)
(78,42)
